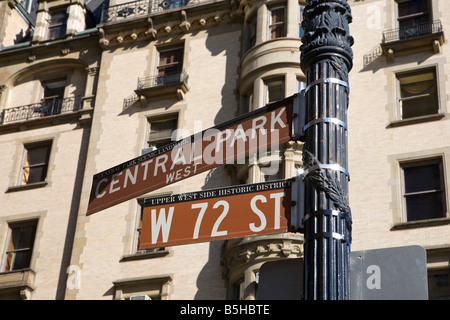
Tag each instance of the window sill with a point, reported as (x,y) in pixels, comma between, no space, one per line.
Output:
(415,120)
(27,186)
(421,224)
(145,255)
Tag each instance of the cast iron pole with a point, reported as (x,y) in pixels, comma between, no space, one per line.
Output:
(326,59)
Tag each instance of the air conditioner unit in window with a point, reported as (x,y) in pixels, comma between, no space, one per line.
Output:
(140,297)
(147,150)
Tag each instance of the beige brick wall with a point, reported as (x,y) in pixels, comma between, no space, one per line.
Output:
(375,150)
(51,204)
(108,235)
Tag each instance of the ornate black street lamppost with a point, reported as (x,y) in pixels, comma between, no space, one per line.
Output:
(326,59)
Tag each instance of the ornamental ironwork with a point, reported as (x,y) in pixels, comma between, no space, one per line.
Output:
(409,32)
(140,8)
(160,80)
(45,108)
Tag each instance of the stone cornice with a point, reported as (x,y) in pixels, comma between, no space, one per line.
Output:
(60,47)
(166,23)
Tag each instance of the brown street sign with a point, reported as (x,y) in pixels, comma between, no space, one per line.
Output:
(224,213)
(233,140)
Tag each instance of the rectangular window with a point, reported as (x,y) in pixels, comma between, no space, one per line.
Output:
(277,22)
(54,88)
(139,231)
(274,90)
(439,284)
(160,131)
(438,262)
(418,93)
(35,163)
(423,190)
(57,24)
(20,246)
(170,66)
(414,17)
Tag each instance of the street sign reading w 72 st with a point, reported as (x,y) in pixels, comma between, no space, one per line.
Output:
(250,133)
(225,213)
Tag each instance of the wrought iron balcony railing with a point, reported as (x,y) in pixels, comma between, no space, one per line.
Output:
(138,8)
(41,109)
(156,81)
(412,32)
(372,55)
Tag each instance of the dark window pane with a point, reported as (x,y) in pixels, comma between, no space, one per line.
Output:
(22,237)
(53,92)
(21,260)
(170,62)
(37,174)
(411,16)
(424,206)
(422,178)
(439,284)
(37,155)
(419,107)
(412,7)
(57,25)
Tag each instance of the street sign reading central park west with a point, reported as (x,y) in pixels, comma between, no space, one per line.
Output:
(224,213)
(255,131)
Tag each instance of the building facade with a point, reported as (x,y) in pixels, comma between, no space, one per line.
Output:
(86,85)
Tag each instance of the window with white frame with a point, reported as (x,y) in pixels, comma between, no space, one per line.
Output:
(423,189)
(418,95)
(35,163)
(19,248)
(277,22)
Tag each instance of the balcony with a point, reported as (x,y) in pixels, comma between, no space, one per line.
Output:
(170,84)
(17,284)
(43,109)
(426,36)
(141,8)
